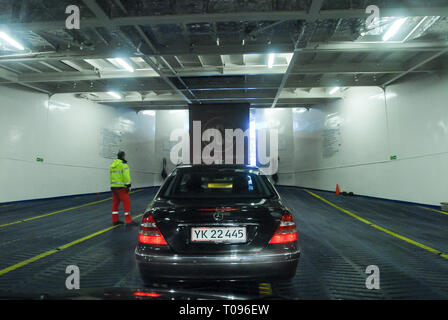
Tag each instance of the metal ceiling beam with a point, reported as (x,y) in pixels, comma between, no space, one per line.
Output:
(375,46)
(302,42)
(143,85)
(178,77)
(29,67)
(141,104)
(161,58)
(240,94)
(50,66)
(416,65)
(12,78)
(99,13)
(314,12)
(314,68)
(8,75)
(172,50)
(85,75)
(226,17)
(321,68)
(149,103)
(260,30)
(99,53)
(164,107)
(260,82)
(149,84)
(304,37)
(349,46)
(297,101)
(352,68)
(121,6)
(166,79)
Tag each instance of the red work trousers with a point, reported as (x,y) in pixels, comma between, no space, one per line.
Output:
(123,196)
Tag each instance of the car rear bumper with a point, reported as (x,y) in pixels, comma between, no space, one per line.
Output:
(240,266)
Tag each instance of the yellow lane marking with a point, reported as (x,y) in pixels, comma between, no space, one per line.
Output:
(418,244)
(433,210)
(60,211)
(50,252)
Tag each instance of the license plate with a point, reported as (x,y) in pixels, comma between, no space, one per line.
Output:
(220,234)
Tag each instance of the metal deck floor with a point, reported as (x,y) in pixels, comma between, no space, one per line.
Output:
(336,249)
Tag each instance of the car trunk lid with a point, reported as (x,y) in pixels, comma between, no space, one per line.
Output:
(176,220)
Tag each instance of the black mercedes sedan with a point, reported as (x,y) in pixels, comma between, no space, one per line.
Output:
(213,222)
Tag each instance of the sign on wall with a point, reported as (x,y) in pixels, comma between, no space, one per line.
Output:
(110,143)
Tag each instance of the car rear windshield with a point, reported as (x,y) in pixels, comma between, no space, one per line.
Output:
(217,184)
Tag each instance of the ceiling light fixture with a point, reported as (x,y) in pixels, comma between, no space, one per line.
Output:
(271,60)
(300,110)
(334,90)
(114,94)
(394,28)
(413,30)
(11,41)
(124,64)
(149,112)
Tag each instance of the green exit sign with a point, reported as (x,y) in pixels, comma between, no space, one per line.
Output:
(40,159)
(393,157)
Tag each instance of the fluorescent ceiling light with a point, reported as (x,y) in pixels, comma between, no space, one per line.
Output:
(114,94)
(415,28)
(149,112)
(334,90)
(299,110)
(394,29)
(271,60)
(11,41)
(124,64)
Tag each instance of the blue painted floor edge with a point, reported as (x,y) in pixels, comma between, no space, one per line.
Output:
(69,196)
(363,196)
(278,185)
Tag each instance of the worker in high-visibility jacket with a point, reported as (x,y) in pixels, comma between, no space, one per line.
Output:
(120,183)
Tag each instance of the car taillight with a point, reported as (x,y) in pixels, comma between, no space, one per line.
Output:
(147,294)
(286,231)
(149,233)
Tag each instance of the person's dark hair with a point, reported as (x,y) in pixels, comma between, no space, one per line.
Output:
(121,155)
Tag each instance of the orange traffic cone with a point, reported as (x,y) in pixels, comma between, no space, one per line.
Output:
(337,190)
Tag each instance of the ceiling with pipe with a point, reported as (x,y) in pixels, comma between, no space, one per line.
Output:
(164,54)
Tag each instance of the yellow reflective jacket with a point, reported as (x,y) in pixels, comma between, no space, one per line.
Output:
(119,174)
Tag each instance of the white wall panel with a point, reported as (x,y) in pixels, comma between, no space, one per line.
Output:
(166,122)
(280,119)
(420,180)
(347,132)
(418,116)
(66,133)
(22,123)
(409,120)
(348,142)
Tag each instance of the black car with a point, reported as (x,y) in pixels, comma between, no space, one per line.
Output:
(217,222)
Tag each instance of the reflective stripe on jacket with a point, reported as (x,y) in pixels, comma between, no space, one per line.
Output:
(119,174)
